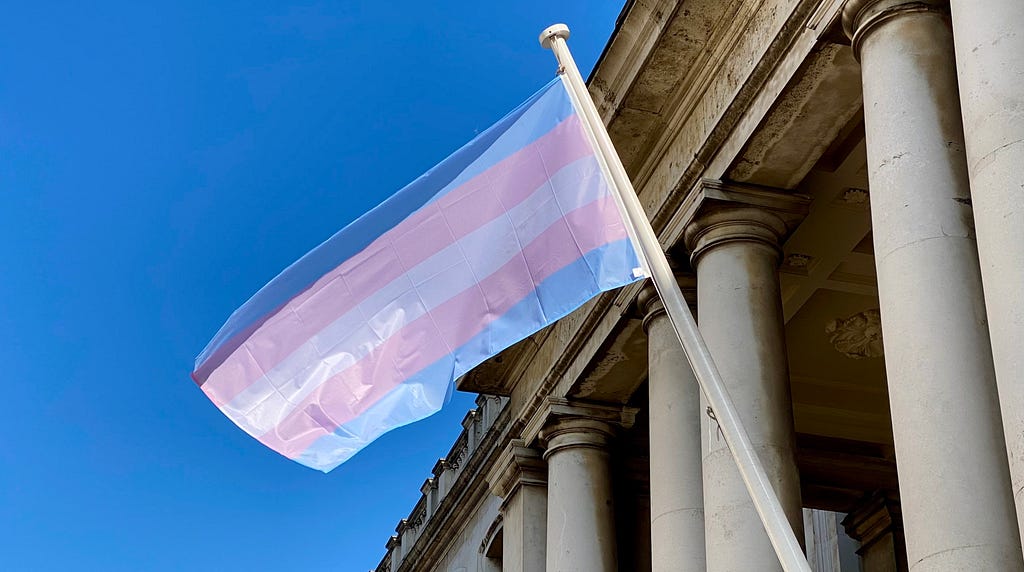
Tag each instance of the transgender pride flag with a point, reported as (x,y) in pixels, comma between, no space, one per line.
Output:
(368,331)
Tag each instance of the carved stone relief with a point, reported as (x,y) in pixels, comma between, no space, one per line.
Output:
(859,336)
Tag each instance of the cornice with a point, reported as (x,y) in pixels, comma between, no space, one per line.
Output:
(636,34)
(702,80)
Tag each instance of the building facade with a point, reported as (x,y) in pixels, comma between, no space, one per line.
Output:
(840,185)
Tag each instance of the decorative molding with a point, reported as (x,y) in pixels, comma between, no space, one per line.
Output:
(711,193)
(493,531)
(825,17)
(861,17)
(795,135)
(717,212)
(854,197)
(637,31)
(859,336)
(454,460)
(517,465)
(558,409)
(873,517)
(417,517)
(797,263)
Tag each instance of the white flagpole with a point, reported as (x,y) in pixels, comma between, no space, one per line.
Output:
(765,500)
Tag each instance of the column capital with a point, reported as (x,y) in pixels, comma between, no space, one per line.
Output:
(562,423)
(517,466)
(717,212)
(860,17)
(650,305)
(873,517)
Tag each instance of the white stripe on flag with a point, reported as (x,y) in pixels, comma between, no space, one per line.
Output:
(262,405)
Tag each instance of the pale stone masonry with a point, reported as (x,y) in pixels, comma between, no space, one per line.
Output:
(989,46)
(455,483)
(677,494)
(840,187)
(938,356)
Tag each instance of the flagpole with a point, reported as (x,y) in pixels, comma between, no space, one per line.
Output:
(656,264)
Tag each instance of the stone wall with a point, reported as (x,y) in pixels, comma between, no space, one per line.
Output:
(446,527)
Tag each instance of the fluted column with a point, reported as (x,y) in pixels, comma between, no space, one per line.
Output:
(520,479)
(954,480)
(677,496)
(581,516)
(989,42)
(735,249)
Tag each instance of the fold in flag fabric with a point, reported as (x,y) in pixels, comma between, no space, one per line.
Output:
(369,330)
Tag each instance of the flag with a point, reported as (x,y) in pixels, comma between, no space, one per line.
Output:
(369,330)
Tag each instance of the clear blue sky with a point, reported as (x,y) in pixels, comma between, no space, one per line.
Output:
(157,166)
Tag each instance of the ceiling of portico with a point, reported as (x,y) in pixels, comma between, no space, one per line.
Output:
(830,304)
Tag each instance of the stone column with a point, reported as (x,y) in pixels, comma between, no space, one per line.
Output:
(581,519)
(677,495)
(954,480)
(520,478)
(735,249)
(821,538)
(989,42)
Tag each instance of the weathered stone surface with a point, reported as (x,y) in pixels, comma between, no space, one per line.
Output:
(949,442)
(676,495)
(817,105)
(989,46)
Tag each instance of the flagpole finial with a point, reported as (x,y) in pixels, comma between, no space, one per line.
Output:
(552,32)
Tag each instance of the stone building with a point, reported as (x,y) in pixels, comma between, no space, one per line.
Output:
(806,166)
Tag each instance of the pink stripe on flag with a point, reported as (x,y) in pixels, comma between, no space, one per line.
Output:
(424,233)
(450,325)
